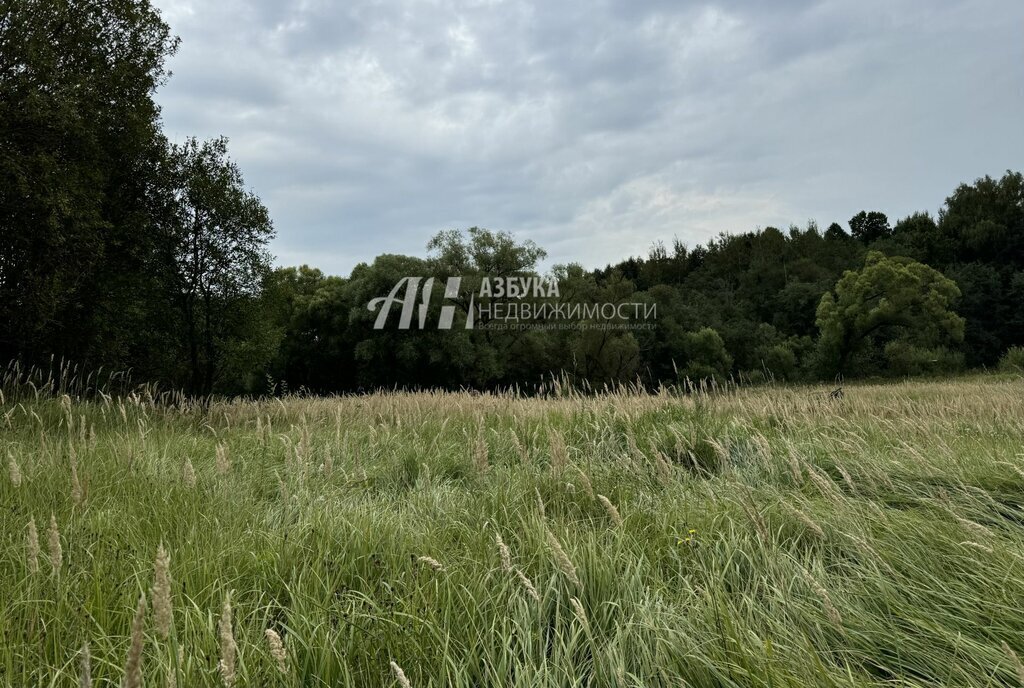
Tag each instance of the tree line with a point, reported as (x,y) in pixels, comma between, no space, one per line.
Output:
(122,250)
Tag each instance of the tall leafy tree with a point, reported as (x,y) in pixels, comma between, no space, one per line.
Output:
(220,231)
(80,147)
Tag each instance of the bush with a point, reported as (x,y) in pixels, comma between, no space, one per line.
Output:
(905,359)
(1013,360)
(706,355)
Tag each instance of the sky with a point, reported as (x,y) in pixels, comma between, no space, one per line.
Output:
(594,128)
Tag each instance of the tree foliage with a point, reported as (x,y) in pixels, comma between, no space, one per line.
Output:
(888,311)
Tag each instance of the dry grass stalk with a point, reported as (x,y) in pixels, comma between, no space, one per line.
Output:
(76,485)
(85,673)
(14,470)
(188,474)
(431,562)
(632,448)
(1018,666)
(56,551)
(758,520)
(282,488)
(661,462)
(162,610)
(824,484)
(795,467)
(577,607)
(524,455)
(588,487)
(133,664)
(847,478)
(559,453)
(223,460)
(480,454)
(613,513)
(277,651)
(978,546)
(228,647)
(826,600)
(504,553)
(975,527)
(540,503)
(400,676)
(32,547)
(303,450)
(808,522)
(527,585)
(562,559)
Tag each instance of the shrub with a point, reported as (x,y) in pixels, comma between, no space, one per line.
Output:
(905,359)
(1013,360)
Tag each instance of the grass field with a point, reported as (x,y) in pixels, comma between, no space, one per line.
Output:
(765,537)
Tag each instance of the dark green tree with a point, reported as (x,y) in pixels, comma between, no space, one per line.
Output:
(80,152)
(868,227)
(220,232)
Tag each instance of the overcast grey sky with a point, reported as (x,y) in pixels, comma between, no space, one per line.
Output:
(593,127)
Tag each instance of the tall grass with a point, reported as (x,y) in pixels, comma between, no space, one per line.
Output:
(764,537)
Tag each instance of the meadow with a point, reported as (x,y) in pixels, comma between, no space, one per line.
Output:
(769,536)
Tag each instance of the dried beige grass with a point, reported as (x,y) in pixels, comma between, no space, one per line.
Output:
(56,551)
(540,503)
(824,483)
(847,478)
(588,487)
(504,553)
(521,452)
(223,459)
(613,513)
(85,672)
(795,467)
(481,460)
(431,562)
(228,647)
(562,559)
(277,650)
(32,547)
(577,607)
(162,610)
(133,664)
(661,462)
(13,470)
(188,474)
(632,448)
(826,600)
(808,522)
(527,585)
(754,514)
(978,546)
(1018,666)
(559,452)
(974,527)
(282,488)
(76,484)
(400,676)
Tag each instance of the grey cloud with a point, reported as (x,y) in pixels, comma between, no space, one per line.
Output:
(594,128)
